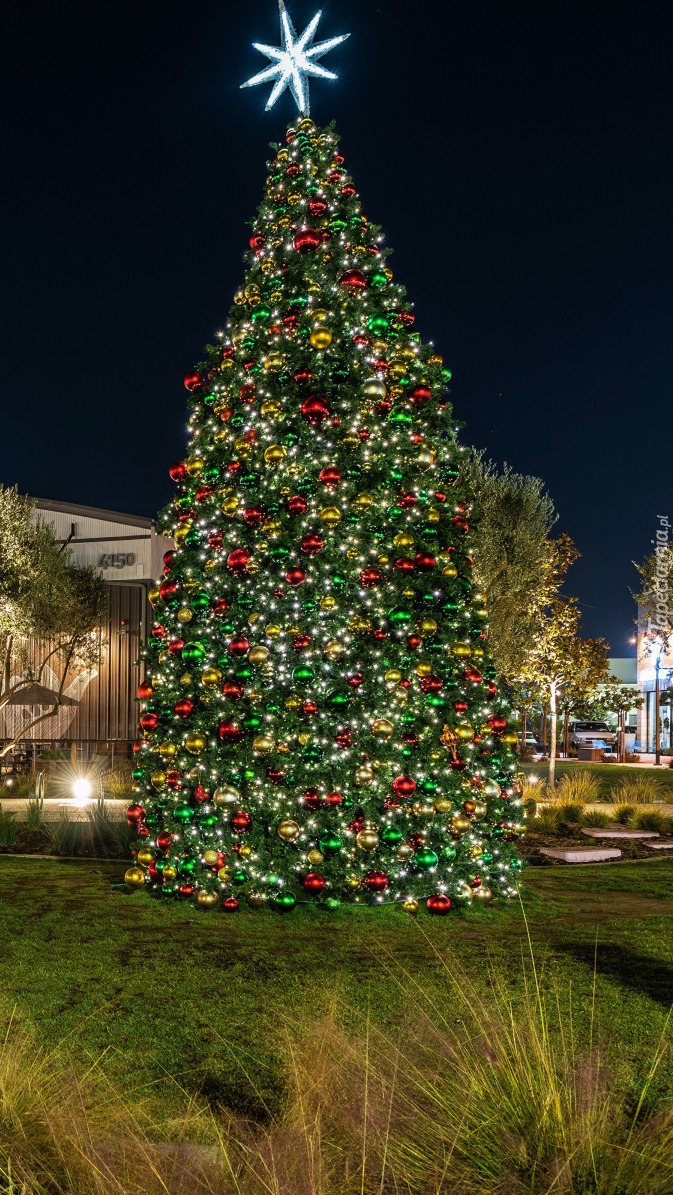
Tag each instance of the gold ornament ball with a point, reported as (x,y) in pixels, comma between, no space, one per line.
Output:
(168,750)
(435,755)
(211,678)
(196,744)
(410,905)
(293,702)
(185,614)
(382,728)
(392,676)
(226,795)
(288,830)
(320,338)
(352,882)
(186,679)
(483,894)
(465,731)
(158,779)
(224,874)
(511,738)
(206,900)
(479,810)
(330,515)
(180,534)
(245,851)
(270,409)
(364,499)
(315,857)
(134,877)
(374,388)
(428,626)
(275,454)
(368,838)
(194,466)
(230,504)
(334,649)
(259,655)
(303,738)
(400,696)
(461,650)
(490,789)
(169,872)
(209,858)
(273,362)
(363,776)
(442,805)
(404,851)
(459,824)
(450,570)
(424,669)
(263,744)
(273,630)
(404,540)
(154,594)
(328,603)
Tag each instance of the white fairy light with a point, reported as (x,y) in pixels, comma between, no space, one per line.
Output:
(294,60)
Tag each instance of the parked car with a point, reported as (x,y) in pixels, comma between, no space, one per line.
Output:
(583,734)
(532,744)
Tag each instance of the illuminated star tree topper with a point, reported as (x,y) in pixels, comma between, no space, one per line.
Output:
(294,60)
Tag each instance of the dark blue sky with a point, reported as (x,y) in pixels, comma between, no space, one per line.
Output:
(518,156)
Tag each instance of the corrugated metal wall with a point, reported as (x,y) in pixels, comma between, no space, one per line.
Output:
(107,710)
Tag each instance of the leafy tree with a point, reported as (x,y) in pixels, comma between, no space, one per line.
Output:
(42,596)
(655,594)
(511,555)
(558,662)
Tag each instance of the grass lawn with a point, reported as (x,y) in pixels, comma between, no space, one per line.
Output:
(192,1002)
(607,773)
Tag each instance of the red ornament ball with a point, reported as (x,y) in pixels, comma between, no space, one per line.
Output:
(193,381)
(370,577)
(145,690)
(220,606)
(230,732)
(330,476)
(344,739)
(241,821)
(404,786)
(307,240)
(405,564)
(233,689)
(230,904)
(314,882)
(303,375)
(149,722)
(314,410)
(215,539)
(317,207)
(295,576)
(253,517)
(376,881)
(238,560)
(414,641)
(421,395)
(312,543)
(309,708)
(175,646)
(424,561)
(186,890)
(312,798)
(183,707)
(353,279)
(178,471)
(333,800)
(240,646)
(297,505)
(135,814)
(438,904)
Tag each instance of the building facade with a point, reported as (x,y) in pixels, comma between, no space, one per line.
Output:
(127,551)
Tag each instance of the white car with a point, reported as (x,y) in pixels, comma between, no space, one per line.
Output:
(583,734)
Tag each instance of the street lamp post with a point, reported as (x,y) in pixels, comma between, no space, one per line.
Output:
(657,708)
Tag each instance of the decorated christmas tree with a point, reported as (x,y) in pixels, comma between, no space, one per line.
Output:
(320,716)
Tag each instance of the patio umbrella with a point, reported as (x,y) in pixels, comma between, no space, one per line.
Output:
(35,694)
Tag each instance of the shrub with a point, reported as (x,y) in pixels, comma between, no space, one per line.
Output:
(622,813)
(579,786)
(65,835)
(118,784)
(34,816)
(638,790)
(649,819)
(8,827)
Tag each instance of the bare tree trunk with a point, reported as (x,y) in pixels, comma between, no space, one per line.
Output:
(551,778)
(543,731)
(566,734)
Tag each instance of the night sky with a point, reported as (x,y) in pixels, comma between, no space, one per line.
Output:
(517,155)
